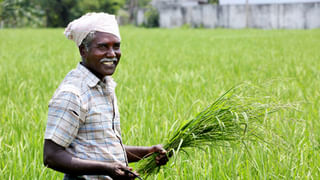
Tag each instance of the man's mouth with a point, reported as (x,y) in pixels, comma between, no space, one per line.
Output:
(108,61)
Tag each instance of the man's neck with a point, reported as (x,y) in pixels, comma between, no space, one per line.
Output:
(92,71)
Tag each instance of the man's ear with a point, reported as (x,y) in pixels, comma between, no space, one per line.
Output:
(83,51)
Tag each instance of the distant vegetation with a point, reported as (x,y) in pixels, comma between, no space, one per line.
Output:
(58,13)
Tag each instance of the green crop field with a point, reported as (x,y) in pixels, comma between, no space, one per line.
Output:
(167,75)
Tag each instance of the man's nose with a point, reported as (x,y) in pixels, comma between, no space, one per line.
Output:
(110,53)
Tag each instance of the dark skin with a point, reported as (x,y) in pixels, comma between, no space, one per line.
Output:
(104,45)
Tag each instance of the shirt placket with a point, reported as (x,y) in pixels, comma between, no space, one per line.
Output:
(110,98)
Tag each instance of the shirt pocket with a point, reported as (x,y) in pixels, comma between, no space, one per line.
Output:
(100,113)
(98,122)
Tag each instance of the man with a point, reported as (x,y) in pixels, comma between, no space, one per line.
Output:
(82,137)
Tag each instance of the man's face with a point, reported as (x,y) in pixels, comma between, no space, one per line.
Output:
(104,45)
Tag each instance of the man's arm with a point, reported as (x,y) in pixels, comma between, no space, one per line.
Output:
(57,158)
(136,153)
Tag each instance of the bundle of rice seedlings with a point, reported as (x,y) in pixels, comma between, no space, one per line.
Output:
(230,119)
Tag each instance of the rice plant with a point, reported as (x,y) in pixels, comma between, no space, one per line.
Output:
(229,119)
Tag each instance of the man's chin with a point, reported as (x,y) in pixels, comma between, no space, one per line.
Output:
(109,73)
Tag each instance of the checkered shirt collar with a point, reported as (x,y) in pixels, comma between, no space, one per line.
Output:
(92,80)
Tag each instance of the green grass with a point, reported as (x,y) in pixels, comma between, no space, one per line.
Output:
(168,75)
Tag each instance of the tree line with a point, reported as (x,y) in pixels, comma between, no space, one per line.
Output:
(58,13)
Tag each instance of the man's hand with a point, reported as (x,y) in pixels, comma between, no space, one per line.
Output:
(136,153)
(161,158)
(121,171)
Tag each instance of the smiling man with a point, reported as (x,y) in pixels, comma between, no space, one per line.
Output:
(82,137)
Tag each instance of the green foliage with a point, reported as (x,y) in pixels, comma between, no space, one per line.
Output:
(186,26)
(143,3)
(151,17)
(109,6)
(138,3)
(60,13)
(21,13)
(52,13)
(213,1)
(231,119)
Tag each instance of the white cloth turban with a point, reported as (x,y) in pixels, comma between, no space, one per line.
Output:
(78,29)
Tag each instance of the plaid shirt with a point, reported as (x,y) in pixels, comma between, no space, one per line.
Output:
(84,118)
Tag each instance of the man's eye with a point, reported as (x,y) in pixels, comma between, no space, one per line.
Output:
(116,46)
(102,47)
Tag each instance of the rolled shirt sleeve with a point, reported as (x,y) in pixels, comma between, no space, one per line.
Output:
(63,118)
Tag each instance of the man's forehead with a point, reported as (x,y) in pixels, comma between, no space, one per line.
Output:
(101,37)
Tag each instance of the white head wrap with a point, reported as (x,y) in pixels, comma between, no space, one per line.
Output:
(78,29)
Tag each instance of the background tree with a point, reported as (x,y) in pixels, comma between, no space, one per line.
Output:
(213,1)
(20,13)
(51,13)
(109,6)
(57,12)
(133,5)
(60,12)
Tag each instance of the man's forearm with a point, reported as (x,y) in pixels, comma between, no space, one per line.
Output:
(136,153)
(59,159)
